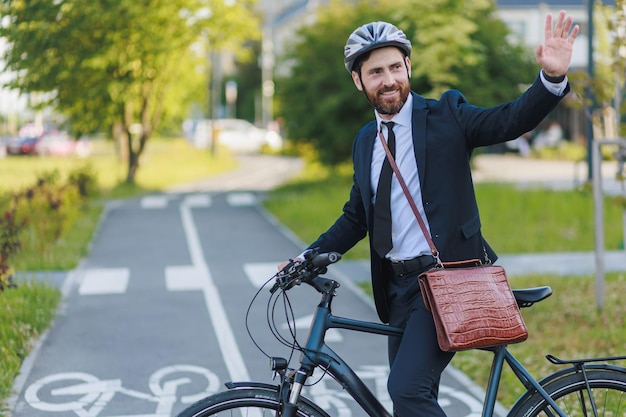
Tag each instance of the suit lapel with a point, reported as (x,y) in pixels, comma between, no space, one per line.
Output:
(369,136)
(420,111)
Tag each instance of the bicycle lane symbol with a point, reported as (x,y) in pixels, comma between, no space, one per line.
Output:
(87,396)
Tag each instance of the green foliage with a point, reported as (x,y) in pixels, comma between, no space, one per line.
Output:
(457,44)
(10,228)
(38,217)
(317,99)
(48,209)
(565,151)
(85,180)
(117,62)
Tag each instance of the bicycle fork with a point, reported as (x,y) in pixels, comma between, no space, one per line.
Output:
(291,384)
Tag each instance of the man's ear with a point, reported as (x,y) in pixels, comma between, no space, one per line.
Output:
(357,80)
(407,62)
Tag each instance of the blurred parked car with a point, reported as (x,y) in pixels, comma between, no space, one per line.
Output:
(60,143)
(57,143)
(22,146)
(236,134)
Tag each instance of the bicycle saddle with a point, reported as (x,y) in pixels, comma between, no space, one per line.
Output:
(526,297)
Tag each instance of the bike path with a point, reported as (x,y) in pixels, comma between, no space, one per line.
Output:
(155,317)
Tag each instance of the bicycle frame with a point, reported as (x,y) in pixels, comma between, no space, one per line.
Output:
(317,354)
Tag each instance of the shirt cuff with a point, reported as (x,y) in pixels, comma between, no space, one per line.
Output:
(555,88)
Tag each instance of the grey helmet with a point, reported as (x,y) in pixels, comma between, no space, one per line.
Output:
(372,36)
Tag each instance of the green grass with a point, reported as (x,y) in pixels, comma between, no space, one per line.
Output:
(514,220)
(25,313)
(166,162)
(537,220)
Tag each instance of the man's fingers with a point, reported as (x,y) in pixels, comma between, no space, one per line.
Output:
(563,28)
(573,34)
(548,27)
(563,25)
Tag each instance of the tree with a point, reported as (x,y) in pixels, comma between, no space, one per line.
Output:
(609,83)
(456,44)
(108,63)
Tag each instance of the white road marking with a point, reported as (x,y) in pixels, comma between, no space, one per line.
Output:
(154,201)
(241,199)
(197,200)
(100,281)
(259,273)
(183,278)
(200,278)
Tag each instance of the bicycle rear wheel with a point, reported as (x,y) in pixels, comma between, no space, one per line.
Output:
(607,396)
(245,402)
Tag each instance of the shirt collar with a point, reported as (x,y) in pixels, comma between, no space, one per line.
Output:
(403,118)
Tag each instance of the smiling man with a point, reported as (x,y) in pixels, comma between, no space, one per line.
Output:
(433,141)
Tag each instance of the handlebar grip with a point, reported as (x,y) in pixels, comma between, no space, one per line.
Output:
(325,259)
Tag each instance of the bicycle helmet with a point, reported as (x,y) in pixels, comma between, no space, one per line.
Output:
(373,36)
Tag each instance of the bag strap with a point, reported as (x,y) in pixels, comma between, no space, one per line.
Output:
(405,189)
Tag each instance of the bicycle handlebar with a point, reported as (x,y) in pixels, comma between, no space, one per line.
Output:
(297,272)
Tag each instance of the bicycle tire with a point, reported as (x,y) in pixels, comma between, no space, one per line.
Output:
(253,402)
(570,394)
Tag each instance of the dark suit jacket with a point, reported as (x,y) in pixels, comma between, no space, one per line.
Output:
(445,132)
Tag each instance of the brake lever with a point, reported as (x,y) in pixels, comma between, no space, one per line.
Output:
(286,277)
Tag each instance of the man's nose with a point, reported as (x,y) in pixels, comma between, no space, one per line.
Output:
(388,78)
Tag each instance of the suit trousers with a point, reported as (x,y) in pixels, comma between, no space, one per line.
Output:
(416,362)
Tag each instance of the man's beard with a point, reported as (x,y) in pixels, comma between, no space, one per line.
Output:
(385,106)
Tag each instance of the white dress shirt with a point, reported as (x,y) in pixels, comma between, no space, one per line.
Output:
(408,239)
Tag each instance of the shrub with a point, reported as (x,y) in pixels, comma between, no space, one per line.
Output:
(38,216)
(10,228)
(85,180)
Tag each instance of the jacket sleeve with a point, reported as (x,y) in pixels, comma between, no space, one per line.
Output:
(507,121)
(348,229)
(351,226)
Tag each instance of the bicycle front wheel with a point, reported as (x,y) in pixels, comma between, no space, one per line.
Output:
(245,402)
(605,396)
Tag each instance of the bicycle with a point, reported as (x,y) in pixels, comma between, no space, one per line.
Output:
(586,387)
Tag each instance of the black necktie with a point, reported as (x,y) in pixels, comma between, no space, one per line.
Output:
(382,207)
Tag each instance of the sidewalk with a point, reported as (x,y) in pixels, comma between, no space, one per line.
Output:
(529,172)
